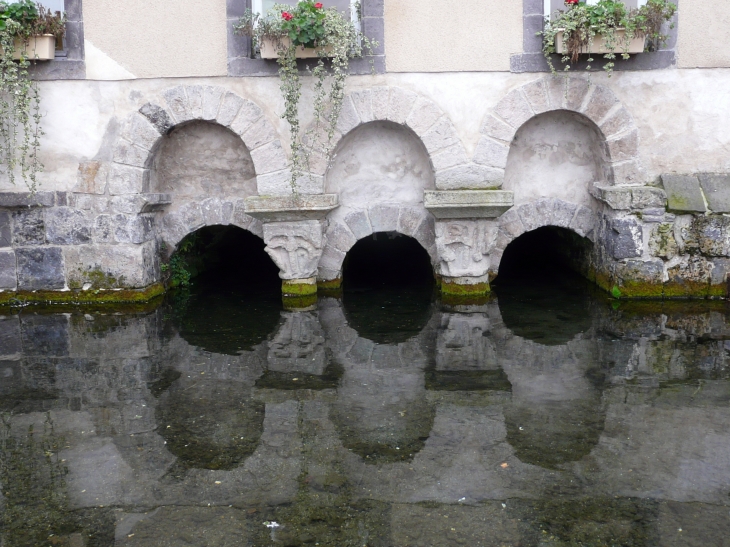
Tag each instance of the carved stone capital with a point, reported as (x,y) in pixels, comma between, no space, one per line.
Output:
(463,246)
(295,247)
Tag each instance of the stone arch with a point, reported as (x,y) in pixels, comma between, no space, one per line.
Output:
(142,131)
(192,216)
(422,116)
(595,102)
(342,234)
(538,214)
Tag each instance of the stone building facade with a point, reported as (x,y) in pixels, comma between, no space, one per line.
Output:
(463,150)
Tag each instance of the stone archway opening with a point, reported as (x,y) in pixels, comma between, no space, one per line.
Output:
(223,256)
(387,260)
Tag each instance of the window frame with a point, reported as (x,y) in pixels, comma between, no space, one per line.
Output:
(69,63)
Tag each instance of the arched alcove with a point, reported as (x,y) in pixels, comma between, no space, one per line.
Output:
(379,162)
(201,159)
(557,154)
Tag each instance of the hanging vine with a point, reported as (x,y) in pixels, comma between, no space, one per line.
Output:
(290,29)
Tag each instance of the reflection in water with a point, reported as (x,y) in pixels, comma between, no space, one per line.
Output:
(385,419)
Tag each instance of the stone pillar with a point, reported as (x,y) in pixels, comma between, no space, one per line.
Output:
(465,234)
(296,248)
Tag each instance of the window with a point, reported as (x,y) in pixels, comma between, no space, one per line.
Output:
(551,6)
(345,6)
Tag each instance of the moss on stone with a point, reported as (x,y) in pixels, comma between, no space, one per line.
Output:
(331,285)
(640,289)
(456,289)
(289,288)
(294,303)
(686,289)
(76,297)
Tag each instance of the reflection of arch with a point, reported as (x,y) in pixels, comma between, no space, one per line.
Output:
(540,213)
(595,102)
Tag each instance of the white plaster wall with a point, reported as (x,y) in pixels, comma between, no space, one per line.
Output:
(682,115)
(704,33)
(452,35)
(163,38)
(557,154)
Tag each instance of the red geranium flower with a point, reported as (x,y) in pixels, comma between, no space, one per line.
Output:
(286,15)
(571,2)
(318,5)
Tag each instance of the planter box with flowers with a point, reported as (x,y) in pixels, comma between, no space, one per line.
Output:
(307,30)
(606,28)
(28,33)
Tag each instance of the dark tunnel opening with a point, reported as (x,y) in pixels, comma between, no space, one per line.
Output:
(231,298)
(388,287)
(542,293)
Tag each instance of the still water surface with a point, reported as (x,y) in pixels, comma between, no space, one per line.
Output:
(547,416)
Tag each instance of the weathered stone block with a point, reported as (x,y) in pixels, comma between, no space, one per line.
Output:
(192,216)
(423,116)
(529,216)
(140,131)
(331,260)
(514,109)
(492,153)
(497,129)
(409,219)
(647,197)
(624,238)
(177,102)
(239,217)
(66,226)
(246,117)
(712,235)
(133,228)
(717,191)
(28,227)
(536,94)
(349,118)
(212,96)
(384,218)
(628,172)
(269,158)
(441,135)
(11,200)
(195,100)
(471,176)
(258,134)
(359,224)
(641,279)
(8,270)
(563,213)
(125,179)
(578,89)
(275,184)
(44,335)
(601,102)
(158,117)
(6,237)
(129,154)
(584,223)
(444,204)
(662,242)
(625,147)
(92,177)
(683,193)
(103,230)
(40,268)
(229,108)
(511,223)
(400,104)
(619,122)
(690,278)
(452,156)
(113,266)
(380,98)
(362,100)
(341,237)
(556,89)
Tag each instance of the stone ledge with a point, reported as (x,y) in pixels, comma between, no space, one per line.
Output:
(444,204)
(155,202)
(624,198)
(17,200)
(291,208)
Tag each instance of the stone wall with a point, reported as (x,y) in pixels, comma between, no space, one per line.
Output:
(575,153)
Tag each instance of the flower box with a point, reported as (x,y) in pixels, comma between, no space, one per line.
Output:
(41,47)
(269,46)
(636,45)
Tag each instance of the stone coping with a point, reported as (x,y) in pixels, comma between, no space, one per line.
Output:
(445,204)
(291,208)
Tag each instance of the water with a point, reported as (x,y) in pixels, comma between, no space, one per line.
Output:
(548,416)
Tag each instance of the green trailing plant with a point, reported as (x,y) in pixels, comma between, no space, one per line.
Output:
(20,117)
(336,39)
(580,24)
